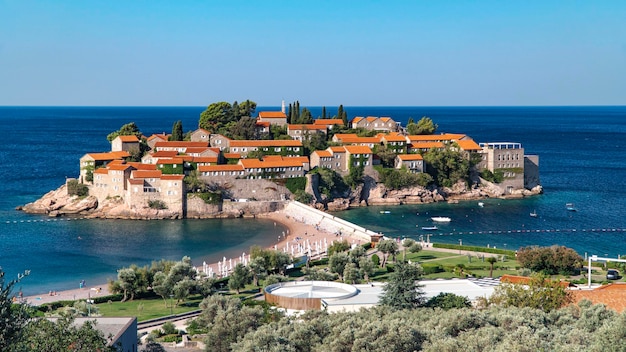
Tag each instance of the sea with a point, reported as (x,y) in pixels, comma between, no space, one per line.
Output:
(581,153)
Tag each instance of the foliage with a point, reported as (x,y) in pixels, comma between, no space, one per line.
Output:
(63,335)
(343,115)
(194,183)
(75,188)
(539,293)
(239,278)
(387,247)
(317,274)
(275,261)
(387,155)
(153,347)
(375,259)
(401,178)
(128,129)
(315,141)
(177,131)
(338,246)
(447,166)
(13,317)
(447,301)
(355,175)
(495,177)
(210,197)
(475,249)
(296,184)
(550,260)
(303,197)
(226,320)
(402,290)
(220,117)
(424,126)
(337,263)
(331,183)
(245,128)
(157,204)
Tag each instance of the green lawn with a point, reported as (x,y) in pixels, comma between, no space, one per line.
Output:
(148,308)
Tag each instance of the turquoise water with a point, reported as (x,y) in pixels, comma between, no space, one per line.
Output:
(581,161)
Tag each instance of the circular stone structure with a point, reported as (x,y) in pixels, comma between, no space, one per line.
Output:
(303,295)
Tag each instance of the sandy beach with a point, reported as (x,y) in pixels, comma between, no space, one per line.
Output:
(297,233)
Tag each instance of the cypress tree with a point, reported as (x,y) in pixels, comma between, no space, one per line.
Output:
(289,114)
(323,112)
(297,114)
(177,131)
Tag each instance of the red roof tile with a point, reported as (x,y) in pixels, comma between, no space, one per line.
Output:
(272,115)
(146,174)
(266,143)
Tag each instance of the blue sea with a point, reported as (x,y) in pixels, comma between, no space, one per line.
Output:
(581,152)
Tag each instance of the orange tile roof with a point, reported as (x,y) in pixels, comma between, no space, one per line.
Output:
(468,144)
(385,119)
(407,157)
(357,119)
(142,166)
(272,115)
(302,159)
(345,135)
(328,122)
(394,138)
(358,149)
(116,162)
(292,127)
(146,174)
(202,130)
(135,182)
(164,154)
(263,123)
(118,167)
(425,145)
(232,155)
(337,149)
(109,155)
(207,168)
(272,162)
(204,159)
(129,139)
(612,295)
(170,161)
(525,280)
(180,144)
(266,143)
(172,177)
(368,140)
(435,137)
(101,170)
(162,137)
(323,153)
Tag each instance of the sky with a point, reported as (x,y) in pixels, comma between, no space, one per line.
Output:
(355,53)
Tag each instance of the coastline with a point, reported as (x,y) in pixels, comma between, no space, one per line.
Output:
(297,233)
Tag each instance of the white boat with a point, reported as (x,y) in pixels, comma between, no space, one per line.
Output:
(533,214)
(385,212)
(440,219)
(429,228)
(481,204)
(570,207)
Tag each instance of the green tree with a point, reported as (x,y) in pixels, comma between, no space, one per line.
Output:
(539,292)
(317,274)
(387,156)
(387,248)
(75,188)
(338,246)
(257,270)
(162,287)
(128,282)
(341,114)
(402,290)
(13,317)
(63,335)
(247,108)
(491,261)
(337,263)
(447,166)
(351,273)
(238,278)
(177,131)
(424,126)
(550,260)
(153,347)
(446,301)
(128,129)
(245,128)
(215,116)
(367,267)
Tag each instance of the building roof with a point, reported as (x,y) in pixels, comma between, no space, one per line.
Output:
(180,144)
(525,280)
(162,137)
(201,130)
(129,139)
(392,137)
(118,166)
(170,161)
(425,145)
(146,174)
(232,155)
(468,144)
(108,155)
(435,137)
(141,166)
(270,162)
(313,127)
(328,122)
(272,115)
(408,157)
(204,159)
(612,295)
(101,170)
(337,149)
(323,153)
(266,143)
(358,149)
(357,139)
(172,177)
(228,167)
(164,154)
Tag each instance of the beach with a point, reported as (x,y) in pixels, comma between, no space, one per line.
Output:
(297,236)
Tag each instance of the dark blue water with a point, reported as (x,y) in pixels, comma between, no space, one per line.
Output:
(581,153)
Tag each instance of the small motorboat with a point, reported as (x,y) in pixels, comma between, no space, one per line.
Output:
(481,204)
(440,219)
(570,207)
(385,212)
(533,214)
(429,228)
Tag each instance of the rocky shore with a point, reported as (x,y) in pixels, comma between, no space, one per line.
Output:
(59,203)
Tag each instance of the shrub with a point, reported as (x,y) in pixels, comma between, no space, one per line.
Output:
(74,188)
(551,260)
(157,204)
(302,197)
(375,259)
(169,328)
(432,268)
(296,184)
(210,197)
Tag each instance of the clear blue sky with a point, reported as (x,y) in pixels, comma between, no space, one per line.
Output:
(424,53)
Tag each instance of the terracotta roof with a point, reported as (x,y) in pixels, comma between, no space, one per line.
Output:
(357,119)
(118,167)
(612,295)
(172,177)
(179,144)
(263,123)
(272,115)
(146,174)
(266,143)
(393,137)
(101,170)
(407,157)
(435,137)
(204,159)
(368,140)
(328,122)
(170,161)
(323,153)
(468,144)
(117,162)
(206,168)
(358,149)
(164,154)
(135,182)
(162,137)
(337,149)
(142,166)
(386,119)
(109,155)
(129,139)
(270,162)
(232,155)
(291,127)
(302,159)
(425,145)
(201,130)
(345,135)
